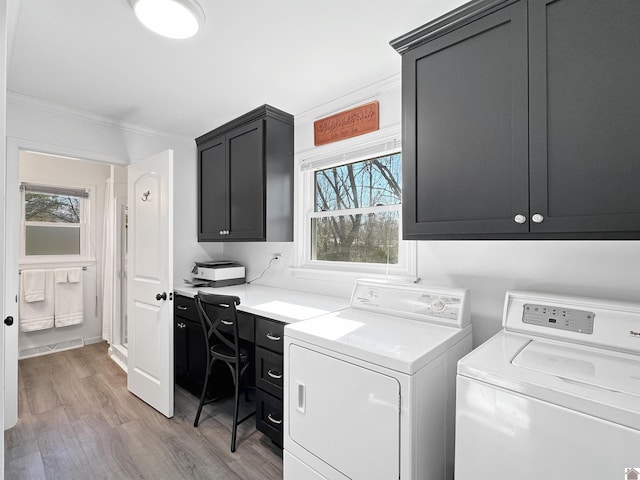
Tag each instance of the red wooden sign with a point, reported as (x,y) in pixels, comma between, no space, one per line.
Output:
(347,124)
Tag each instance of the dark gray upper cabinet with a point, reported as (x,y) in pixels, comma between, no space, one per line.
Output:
(518,121)
(245,179)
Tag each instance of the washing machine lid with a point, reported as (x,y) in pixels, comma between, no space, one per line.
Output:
(595,381)
(598,369)
(400,344)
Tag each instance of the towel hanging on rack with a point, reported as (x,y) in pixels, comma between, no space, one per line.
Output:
(37,315)
(69,302)
(60,275)
(33,285)
(74,275)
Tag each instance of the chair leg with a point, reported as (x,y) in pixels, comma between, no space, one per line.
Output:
(234,428)
(204,393)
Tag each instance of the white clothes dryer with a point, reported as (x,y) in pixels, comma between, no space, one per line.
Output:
(369,392)
(554,395)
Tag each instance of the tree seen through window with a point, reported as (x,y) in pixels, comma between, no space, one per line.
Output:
(356,215)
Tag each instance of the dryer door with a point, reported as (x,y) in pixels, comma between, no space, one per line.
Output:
(346,415)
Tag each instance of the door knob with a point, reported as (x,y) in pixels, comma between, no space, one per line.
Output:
(8,321)
(161,296)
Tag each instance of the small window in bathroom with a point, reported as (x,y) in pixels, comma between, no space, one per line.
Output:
(53,220)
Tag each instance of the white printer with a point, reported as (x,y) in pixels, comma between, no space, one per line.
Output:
(219,273)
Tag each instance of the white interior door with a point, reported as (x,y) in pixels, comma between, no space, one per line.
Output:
(345,415)
(3,224)
(150,268)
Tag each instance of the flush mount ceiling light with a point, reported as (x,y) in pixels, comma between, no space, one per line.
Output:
(170,18)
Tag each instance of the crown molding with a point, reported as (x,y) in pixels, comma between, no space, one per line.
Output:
(361,95)
(83,115)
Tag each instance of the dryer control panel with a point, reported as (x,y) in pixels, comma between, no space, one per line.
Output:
(413,301)
(563,318)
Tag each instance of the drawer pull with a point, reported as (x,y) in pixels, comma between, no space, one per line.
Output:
(226,322)
(182,307)
(277,375)
(273,337)
(275,421)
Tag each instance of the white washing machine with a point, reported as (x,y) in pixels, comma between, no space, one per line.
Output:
(554,395)
(369,392)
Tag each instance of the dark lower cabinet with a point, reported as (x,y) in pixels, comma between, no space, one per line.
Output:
(519,121)
(269,374)
(263,338)
(269,377)
(190,354)
(269,418)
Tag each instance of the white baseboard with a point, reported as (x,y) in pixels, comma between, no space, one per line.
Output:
(51,348)
(118,354)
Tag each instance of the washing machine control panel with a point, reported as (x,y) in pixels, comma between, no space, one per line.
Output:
(571,319)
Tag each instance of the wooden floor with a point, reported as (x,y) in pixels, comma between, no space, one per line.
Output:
(78,421)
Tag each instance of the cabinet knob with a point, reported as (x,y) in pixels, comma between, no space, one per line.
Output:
(182,325)
(537,218)
(221,232)
(519,218)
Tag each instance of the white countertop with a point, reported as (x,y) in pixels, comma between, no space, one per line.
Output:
(288,306)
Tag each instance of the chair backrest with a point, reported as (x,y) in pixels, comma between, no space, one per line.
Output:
(218,315)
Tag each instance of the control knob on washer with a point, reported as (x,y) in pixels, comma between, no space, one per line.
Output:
(437,305)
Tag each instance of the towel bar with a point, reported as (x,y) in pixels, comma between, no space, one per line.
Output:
(83,268)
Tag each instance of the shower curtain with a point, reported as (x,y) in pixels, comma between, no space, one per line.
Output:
(109,262)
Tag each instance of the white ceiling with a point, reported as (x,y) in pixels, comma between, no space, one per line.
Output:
(93,55)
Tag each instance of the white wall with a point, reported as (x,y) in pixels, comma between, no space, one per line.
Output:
(609,269)
(50,128)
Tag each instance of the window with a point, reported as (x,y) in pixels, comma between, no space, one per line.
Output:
(54,221)
(349,223)
(356,214)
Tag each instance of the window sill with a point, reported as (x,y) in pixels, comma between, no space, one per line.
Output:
(349,275)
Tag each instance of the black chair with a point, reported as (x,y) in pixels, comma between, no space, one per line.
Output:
(219,320)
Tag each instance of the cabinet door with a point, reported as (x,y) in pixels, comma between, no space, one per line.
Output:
(269,416)
(213,204)
(466,128)
(180,349)
(245,150)
(585,111)
(269,372)
(220,381)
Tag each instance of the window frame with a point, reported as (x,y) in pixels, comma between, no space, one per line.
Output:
(84,225)
(387,143)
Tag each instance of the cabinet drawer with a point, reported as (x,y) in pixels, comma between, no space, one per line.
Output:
(245,327)
(270,334)
(269,374)
(269,416)
(185,307)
